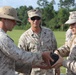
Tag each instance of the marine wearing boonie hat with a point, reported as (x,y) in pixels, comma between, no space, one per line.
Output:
(34,12)
(9,12)
(72,18)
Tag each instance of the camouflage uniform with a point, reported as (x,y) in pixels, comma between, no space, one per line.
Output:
(10,53)
(69,50)
(68,34)
(45,41)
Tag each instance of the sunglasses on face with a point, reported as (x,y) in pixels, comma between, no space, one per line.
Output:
(35,18)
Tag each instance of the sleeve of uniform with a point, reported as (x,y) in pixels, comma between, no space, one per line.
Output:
(64,50)
(71,63)
(23,68)
(11,50)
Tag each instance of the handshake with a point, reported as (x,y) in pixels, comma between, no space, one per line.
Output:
(51,60)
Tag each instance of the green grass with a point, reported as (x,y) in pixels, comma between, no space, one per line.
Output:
(15,34)
(60,37)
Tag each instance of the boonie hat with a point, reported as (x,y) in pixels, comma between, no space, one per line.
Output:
(9,12)
(72,18)
(34,12)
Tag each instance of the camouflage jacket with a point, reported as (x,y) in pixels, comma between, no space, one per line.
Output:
(44,41)
(10,53)
(69,49)
(68,34)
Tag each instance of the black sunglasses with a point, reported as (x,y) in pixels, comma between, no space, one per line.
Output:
(35,18)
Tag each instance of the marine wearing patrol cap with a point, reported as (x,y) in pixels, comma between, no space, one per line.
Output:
(34,12)
(72,18)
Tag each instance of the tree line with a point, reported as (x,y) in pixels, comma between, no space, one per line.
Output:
(50,17)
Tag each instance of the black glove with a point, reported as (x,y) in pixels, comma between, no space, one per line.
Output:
(55,57)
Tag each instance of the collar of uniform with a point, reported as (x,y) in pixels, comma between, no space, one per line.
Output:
(43,31)
(33,34)
(2,30)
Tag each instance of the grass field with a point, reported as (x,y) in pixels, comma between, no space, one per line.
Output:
(60,37)
(15,34)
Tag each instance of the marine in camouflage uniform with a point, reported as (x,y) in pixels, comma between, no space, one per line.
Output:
(68,37)
(33,42)
(9,52)
(69,49)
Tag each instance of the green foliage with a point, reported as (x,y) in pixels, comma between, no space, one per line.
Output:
(62,16)
(22,13)
(66,3)
(53,24)
(47,14)
(27,26)
(50,18)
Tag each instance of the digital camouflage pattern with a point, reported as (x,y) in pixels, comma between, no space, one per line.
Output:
(45,41)
(10,53)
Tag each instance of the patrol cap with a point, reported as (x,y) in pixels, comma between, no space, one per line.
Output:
(9,12)
(72,18)
(34,12)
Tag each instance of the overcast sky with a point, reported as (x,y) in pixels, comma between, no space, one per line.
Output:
(18,3)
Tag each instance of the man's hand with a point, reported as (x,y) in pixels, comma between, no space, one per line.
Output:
(42,66)
(46,57)
(58,63)
(46,61)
